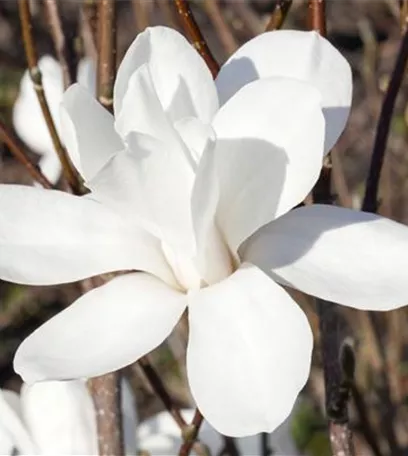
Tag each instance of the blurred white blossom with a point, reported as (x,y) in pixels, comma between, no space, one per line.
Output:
(28,120)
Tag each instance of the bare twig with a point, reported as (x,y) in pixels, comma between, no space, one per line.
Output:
(106,51)
(63,46)
(220,25)
(17,149)
(278,15)
(317,16)
(68,170)
(161,391)
(105,391)
(194,34)
(190,434)
(370,201)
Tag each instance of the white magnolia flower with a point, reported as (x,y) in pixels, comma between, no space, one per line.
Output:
(192,182)
(28,120)
(159,435)
(49,418)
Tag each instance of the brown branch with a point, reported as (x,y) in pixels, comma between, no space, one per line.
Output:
(106,52)
(194,34)
(279,14)
(63,46)
(105,391)
(317,16)
(159,388)
(222,29)
(370,201)
(17,149)
(190,434)
(68,170)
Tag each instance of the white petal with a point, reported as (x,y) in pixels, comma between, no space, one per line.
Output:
(150,183)
(87,130)
(345,256)
(267,157)
(104,330)
(196,135)
(28,119)
(13,432)
(302,55)
(249,352)
(181,78)
(49,237)
(61,417)
(86,74)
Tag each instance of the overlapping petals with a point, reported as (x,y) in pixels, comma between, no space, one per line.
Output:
(49,237)
(106,329)
(181,78)
(269,142)
(248,353)
(306,56)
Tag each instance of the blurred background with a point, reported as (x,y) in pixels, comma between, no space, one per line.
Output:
(368,33)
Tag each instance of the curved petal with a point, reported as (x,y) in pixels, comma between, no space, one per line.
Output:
(302,55)
(341,255)
(181,78)
(267,157)
(27,115)
(88,131)
(104,330)
(61,417)
(150,183)
(49,237)
(13,432)
(248,354)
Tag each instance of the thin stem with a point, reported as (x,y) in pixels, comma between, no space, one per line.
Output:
(63,46)
(190,434)
(194,34)
(370,201)
(317,16)
(68,170)
(159,388)
(279,14)
(107,52)
(17,149)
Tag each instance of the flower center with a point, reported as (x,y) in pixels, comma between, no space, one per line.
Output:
(184,269)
